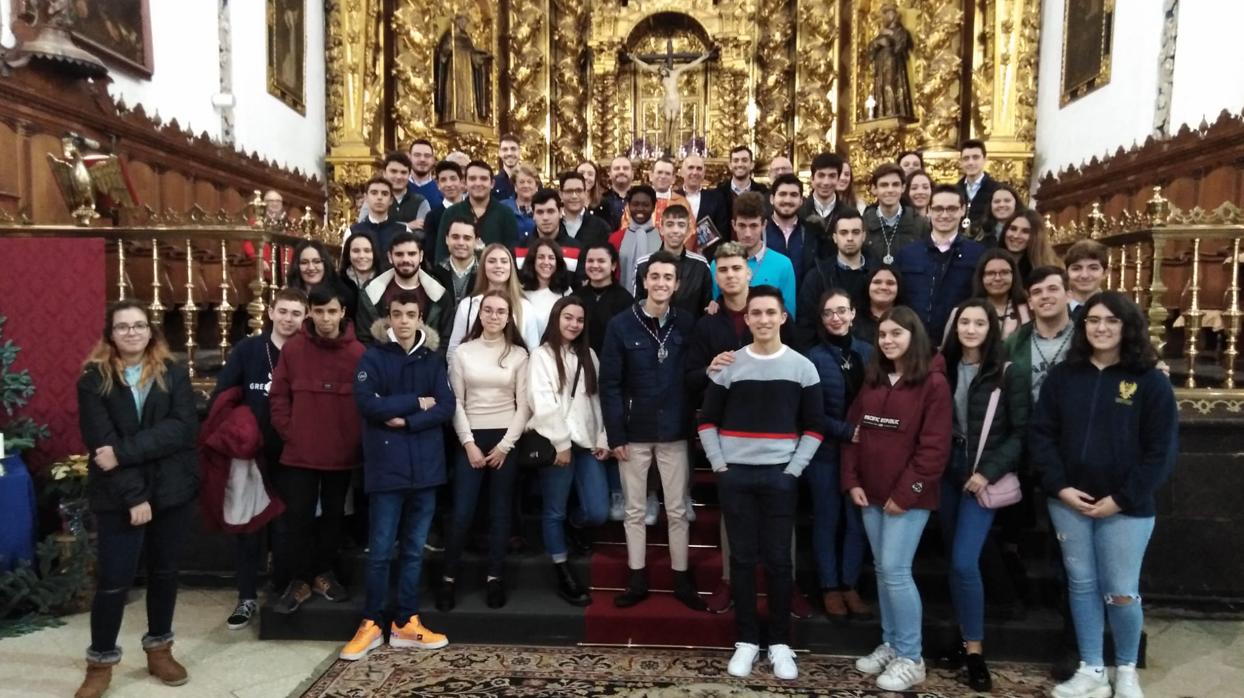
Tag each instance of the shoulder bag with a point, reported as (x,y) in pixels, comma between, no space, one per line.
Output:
(533,449)
(1006,490)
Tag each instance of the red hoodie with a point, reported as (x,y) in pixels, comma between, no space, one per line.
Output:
(905,433)
(312,400)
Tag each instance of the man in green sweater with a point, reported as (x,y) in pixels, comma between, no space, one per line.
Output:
(493,221)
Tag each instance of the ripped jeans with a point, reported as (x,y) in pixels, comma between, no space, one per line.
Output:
(1103,558)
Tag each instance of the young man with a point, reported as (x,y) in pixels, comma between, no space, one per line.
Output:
(784,231)
(694,285)
(976,186)
(621,174)
(819,210)
(315,415)
(403,394)
(450,183)
(250,368)
(1037,346)
(546,207)
(409,208)
(582,226)
(938,270)
(768,267)
(376,220)
(742,165)
(508,151)
(889,224)
(421,175)
(602,297)
(1087,262)
(457,271)
(848,270)
(703,203)
(493,220)
(760,425)
(640,237)
(406,274)
(646,419)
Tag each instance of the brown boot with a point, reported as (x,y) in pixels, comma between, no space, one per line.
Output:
(835,607)
(160,664)
(856,605)
(98,676)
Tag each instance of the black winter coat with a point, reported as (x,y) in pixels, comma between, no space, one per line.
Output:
(1007,434)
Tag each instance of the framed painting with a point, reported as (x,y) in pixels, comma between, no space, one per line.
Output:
(1088,33)
(118,31)
(287,49)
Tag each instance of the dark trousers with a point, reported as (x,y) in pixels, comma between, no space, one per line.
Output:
(305,546)
(120,545)
(402,517)
(467,483)
(249,553)
(758,502)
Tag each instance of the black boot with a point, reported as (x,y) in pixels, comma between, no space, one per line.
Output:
(445,596)
(978,673)
(494,593)
(636,590)
(569,588)
(684,591)
(578,540)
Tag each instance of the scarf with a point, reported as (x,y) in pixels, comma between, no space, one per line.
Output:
(639,240)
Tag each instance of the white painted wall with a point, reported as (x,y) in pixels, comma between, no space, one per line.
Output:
(1207,64)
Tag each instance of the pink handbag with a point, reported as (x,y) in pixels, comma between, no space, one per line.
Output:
(1005,491)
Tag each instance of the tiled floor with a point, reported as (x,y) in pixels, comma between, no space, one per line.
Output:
(1187,658)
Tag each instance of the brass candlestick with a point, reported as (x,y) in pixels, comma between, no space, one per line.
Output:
(225,311)
(1233,315)
(157,308)
(1192,318)
(190,311)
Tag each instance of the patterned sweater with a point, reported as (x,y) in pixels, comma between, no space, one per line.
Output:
(762,410)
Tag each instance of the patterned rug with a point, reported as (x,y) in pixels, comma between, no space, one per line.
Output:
(485,671)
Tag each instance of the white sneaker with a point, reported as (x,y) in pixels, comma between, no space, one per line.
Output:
(744,656)
(650,515)
(783,660)
(876,662)
(1127,682)
(1088,682)
(617,506)
(901,675)
(690,507)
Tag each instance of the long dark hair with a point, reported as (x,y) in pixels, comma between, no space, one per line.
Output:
(919,353)
(989,223)
(379,260)
(581,347)
(821,331)
(898,285)
(992,354)
(559,283)
(1040,252)
(1136,352)
(1017,294)
(295,272)
(513,338)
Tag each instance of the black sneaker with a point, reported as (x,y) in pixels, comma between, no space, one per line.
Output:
(296,594)
(445,596)
(326,585)
(241,616)
(494,593)
(435,542)
(978,673)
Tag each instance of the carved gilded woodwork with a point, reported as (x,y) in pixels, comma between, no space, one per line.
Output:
(605,141)
(816,52)
(527,75)
(775,78)
(569,98)
(414,42)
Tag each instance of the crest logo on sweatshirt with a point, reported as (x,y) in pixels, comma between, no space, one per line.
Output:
(362,376)
(1127,390)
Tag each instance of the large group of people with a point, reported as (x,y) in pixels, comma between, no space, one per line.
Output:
(928,353)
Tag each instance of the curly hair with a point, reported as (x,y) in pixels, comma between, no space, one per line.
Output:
(1136,352)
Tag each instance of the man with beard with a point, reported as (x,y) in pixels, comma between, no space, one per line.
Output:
(742,164)
(848,270)
(784,231)
(768,266)
(421,175)
(621,174)
(640,236)
(406,274)
(508,150)
(493,220)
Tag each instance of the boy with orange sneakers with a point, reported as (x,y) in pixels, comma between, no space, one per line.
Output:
(405,400)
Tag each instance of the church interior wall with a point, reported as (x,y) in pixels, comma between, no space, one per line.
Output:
(1207,75)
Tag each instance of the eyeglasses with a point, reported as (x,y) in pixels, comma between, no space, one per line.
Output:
(136,328)
(944,210)
(310,262)
(1096,320)
(494,312)
(835,312)
(572,192)
(1000,274)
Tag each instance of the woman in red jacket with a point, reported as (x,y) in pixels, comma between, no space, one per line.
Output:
(891,469)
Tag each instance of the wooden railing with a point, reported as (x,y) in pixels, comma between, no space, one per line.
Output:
(1184,268)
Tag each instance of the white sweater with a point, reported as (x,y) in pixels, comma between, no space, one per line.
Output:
(491,394)
(468,310)
(542,301)
(554,414)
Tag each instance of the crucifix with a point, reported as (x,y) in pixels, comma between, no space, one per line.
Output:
(671,103)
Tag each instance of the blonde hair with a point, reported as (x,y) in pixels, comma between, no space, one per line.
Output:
(513,289)
(525,170)
(105,358)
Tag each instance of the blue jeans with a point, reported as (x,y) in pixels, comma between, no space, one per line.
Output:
(402,516)
(467,484)
(1103,558)
(588,476)
(965,526)
(829,506)
(893,540)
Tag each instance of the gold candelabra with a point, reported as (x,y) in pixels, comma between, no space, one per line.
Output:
(190,311)
(1192,318)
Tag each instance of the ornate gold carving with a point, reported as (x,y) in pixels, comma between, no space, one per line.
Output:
(604,144)
(983,77)
(775,78)
(354,53)
(938,65)
(527,74)
(816,51)
(413,100)
(569,99)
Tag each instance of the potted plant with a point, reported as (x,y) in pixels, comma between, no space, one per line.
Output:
(66,483)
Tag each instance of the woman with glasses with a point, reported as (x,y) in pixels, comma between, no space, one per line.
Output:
(998,280)
(1104,437)
(139,424)
(311,265)
(497,273)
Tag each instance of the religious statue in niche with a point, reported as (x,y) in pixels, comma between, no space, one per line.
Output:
(888,53)
(463,76)
(671,103)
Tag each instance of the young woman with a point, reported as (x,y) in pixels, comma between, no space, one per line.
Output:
(595,189)
(1024,237)
(139,423)
(359,265)
(884,286)
(919,191)
(840,359)
(312,265)
(526,184)
(565,409)
(846,194)
(990,401)
(1104,436)
(910,161)
(1004,204)
(544,278)
(892,469)
(498,274)
(998,281)
(488,374)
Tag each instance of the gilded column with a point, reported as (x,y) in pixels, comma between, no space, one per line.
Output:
(816,50)
(604,133)
(569,99)
(731,127)
(413,104)
(936,86)
(775,84)
(355,50)
(528,75)
(1005,102)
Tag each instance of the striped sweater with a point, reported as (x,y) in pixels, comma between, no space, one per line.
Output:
(762,410)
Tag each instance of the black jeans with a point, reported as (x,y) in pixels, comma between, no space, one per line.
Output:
(303,545)
(249,554)
(758,503)
(467,484)
(120,546)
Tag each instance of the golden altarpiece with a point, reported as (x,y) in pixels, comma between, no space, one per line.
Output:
(577,79)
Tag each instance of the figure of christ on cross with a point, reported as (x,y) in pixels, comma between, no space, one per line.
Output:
(663,65)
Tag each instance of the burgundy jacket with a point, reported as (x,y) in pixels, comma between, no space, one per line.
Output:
(230,431)
(905,434)
(312,400)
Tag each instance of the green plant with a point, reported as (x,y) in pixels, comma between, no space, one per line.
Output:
(66,479)
(16,388)
(30,596)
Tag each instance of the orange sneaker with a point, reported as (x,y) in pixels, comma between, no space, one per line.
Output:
(413,634)
(368,637)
